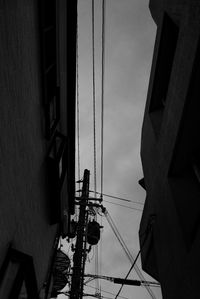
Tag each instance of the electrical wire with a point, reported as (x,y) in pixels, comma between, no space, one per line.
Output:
(107,292)
(102,91)
(127,252)
(94,138)
(94,98)
(117,204)
(128,274)
(120,198)
(94,104)
(77,101)
(132,266)
(134,263)
(102,114)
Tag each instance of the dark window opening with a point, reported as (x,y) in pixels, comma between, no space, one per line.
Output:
(196,169)
(166,52)
(57,167)
(50,83)
(52,113)
(49,46)
(49,66)
(49,13)
(58,155)
(168,38)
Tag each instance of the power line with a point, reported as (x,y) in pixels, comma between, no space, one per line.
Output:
(133,265)
(102,90)
(94,98)
(77,102)
(117,204)
(107,292)
(127,252)
(120,198)
(94,137)
(128,273)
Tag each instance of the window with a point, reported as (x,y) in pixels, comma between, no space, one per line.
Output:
(57,166)
(17,276)
(196,169)
(52,113)
(49,65)
(58,155)
(167,39)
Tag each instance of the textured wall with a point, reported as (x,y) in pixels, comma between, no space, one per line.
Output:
(23,190)
(168,151)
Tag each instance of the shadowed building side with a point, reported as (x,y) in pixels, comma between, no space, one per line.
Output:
(37,143)
(170,152)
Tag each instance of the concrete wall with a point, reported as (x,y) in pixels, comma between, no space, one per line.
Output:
(23,191)
(174,197)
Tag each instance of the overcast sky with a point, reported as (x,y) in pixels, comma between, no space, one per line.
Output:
(129,40)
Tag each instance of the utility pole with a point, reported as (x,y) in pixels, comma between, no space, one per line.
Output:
(80,248)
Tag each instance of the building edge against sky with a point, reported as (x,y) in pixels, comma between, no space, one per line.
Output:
(169,229)
(37,119)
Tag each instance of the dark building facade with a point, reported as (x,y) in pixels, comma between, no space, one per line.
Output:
(37,143)
(170,225)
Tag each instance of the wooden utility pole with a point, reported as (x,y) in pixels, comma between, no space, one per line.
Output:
(79,258)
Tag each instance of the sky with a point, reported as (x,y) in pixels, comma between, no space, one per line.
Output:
(129,41)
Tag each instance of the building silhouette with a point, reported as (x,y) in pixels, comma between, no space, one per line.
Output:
(37,143)
(170,225)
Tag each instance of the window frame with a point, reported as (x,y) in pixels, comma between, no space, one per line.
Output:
(57,158)
(49,44)
(164,57)
(25,274)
